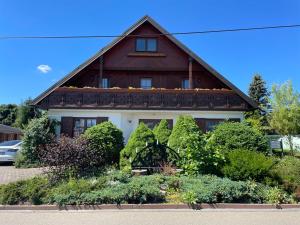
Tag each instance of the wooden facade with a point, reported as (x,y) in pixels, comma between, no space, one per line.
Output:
(179,79)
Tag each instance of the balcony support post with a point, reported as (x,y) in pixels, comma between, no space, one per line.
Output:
(100,71)
(191,85)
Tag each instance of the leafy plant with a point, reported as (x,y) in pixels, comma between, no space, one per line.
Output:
(247,165)
(70,157)
(37,134)
(230,136)
(285,115)
(106,141)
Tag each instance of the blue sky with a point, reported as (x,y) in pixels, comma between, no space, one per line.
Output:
(275,54)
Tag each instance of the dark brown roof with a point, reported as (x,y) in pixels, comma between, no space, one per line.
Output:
(4,129)
(127,32)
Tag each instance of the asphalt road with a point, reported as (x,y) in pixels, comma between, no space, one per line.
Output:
(152,217)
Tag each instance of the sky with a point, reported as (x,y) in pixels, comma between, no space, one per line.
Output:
(28,67)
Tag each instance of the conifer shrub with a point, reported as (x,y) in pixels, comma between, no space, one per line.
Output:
(138,140)
(184,125)
(162,132)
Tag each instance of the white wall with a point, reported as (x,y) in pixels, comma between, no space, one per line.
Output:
(127,120)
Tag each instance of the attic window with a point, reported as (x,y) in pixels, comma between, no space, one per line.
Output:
(146,45)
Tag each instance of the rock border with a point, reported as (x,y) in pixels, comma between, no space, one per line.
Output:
(151,206)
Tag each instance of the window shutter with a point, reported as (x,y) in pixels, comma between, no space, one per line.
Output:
(67,126)
(201,122)
(101,119)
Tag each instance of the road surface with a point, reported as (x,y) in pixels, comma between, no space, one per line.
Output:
(152,217)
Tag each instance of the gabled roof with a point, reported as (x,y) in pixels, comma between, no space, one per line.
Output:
(120,38)
(9,130)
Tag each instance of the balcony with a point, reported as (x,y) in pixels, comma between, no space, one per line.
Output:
(154,99)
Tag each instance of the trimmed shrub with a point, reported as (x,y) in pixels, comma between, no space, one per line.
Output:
(105,140)
(70,157)
(30,191)
(230,136)
(37,134)
(162,132)
(247,165)
(136,142)
(184,125)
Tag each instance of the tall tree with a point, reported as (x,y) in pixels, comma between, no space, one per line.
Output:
(285,115)
(259,92)
(8,114)
(25,113)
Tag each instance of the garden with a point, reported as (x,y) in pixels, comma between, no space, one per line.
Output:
(233,163)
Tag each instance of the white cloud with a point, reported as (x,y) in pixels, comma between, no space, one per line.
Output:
(44,68)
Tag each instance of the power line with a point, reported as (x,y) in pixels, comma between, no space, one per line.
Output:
(163,34)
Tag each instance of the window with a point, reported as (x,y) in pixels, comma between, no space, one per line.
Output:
(151,123)
(146,45)
(146,83)
(185,84)
(80,125)
(105,83)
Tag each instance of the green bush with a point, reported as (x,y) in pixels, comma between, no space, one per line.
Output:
(116,187)
(230,136)
(162,132)
(184,125)
(193,157)
(28,191)
(287,172)
(247,165)
(136,142)
(38,133)
(212,189)
(137,190)
(107,140)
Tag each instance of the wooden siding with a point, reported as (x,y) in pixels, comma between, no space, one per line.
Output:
(124,67)
(96,98)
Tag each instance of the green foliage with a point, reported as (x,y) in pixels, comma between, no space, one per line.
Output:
(38,133)
(247,165)
(195,158)
(162,132)
(8,114)
(211,189)
(136,142)
(136,190)
(28,191)
(285,115)
(184,125)
(287,171)
(107,140)
(116,187)
(25,113)
(258,90)
(276,196)
(230,136)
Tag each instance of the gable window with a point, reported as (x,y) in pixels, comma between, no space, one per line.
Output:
(146,45)
(185,84)
(105,83)
(146,83)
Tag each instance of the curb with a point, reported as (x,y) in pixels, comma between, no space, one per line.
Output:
(150,206)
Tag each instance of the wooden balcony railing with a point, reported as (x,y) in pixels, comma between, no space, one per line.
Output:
(166,99)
